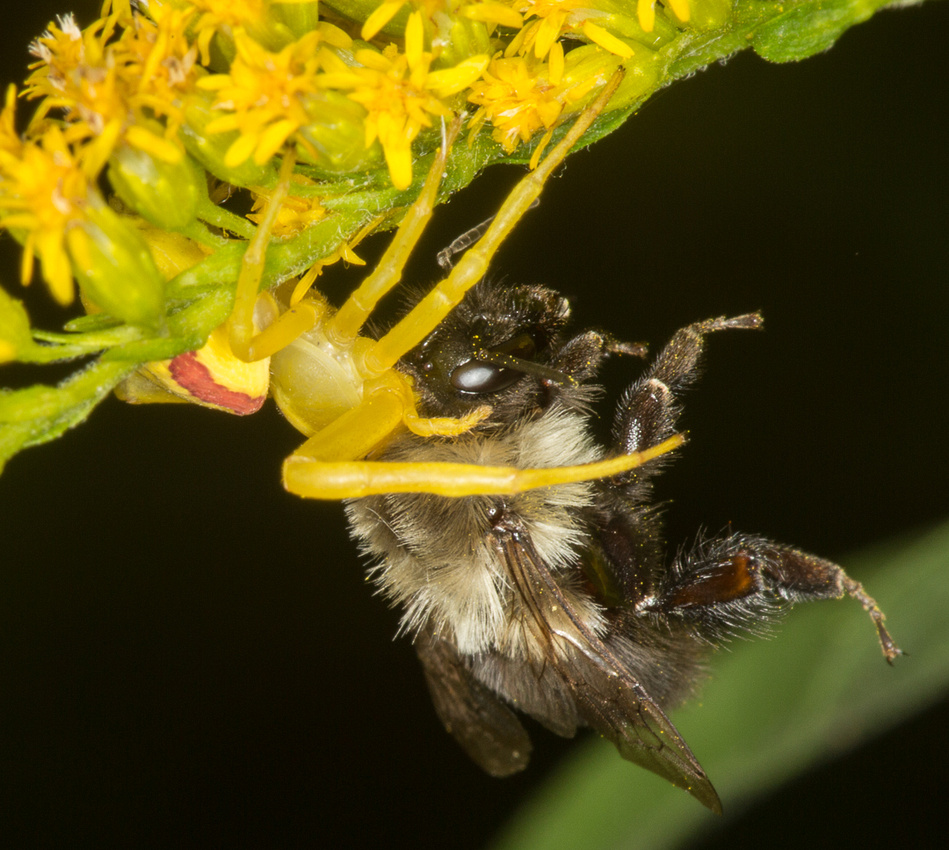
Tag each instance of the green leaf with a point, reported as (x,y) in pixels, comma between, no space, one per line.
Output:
(39,414)
(809,28)
(771,710)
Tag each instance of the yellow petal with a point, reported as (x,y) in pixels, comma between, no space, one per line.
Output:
(414,39)
(272,139)
(213,82)
(547,34)
(450,81)
(681,9)
(241,150)
(158,147)
(373,59)
(334,36)
(224,124)
(494,13)
(535,157)
(607,40)
(400,166)
(380,17)
(56,268)
(646,12)
(555,63)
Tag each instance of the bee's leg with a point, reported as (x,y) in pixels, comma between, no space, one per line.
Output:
(581,357)
(326,478)
(737,582)
(649,409)
(435,306)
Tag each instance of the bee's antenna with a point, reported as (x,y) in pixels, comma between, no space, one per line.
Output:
(526,367)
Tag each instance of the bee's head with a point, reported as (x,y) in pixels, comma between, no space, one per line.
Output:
(497,348)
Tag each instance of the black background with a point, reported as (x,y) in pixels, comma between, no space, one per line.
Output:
(189,655)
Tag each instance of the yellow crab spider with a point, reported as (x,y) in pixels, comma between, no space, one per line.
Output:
(341,389)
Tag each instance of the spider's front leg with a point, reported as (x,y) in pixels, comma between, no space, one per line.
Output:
(336,462)
(331,464)
(341,479)
(231,371)
(473,266)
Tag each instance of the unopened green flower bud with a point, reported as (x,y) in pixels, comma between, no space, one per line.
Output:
(165,194)
(620,18)
(114,267)
(456,39)
(710,14)
(335,141)
(172,252)
(642,76)
(300,18)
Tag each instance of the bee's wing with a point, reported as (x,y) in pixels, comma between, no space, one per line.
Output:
(488,731)
(607,696)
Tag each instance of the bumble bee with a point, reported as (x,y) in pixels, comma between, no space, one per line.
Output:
(561,602)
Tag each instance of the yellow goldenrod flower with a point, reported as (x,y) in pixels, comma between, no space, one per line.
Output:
(158,62)
(62,49)
(485,11)
(297,212)
(264,96)
(74,75)
(111,89)
(552,18)
(547,21)
(43,194)
(517,96)
(49,202)
(226,17)
(400,93)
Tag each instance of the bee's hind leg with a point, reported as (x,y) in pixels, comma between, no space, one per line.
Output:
(739,582)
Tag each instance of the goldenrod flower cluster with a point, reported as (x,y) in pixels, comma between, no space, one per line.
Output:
(159,93)
(161,132)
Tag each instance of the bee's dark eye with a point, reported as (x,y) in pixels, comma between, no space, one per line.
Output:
(480,376)
(477,377)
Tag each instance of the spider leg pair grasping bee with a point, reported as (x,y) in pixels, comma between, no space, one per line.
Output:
(528,560)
